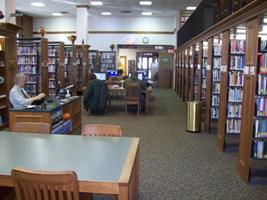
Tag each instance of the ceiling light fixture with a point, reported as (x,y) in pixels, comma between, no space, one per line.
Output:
(106,13)
(145,3)
(147,13)
(191,8)
(96,3)
(37,4)
(57,14)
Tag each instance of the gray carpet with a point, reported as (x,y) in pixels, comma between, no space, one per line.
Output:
(176,165)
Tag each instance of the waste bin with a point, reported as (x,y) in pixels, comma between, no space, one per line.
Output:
(193,123)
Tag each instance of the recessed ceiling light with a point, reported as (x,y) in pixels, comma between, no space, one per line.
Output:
(37,4)
(105,13)
(145,3)
(96,3)
(147,13)
(57,14)
(191,8)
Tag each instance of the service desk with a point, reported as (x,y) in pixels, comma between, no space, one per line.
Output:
(104,165)
(52,114)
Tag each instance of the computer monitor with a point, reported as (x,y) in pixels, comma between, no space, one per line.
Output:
(112,73)
(101,76)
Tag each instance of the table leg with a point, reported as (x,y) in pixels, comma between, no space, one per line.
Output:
(124,192)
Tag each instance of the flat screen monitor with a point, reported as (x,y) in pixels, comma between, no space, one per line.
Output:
(112,73)
(101,76)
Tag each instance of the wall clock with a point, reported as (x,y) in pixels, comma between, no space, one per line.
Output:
(145,40)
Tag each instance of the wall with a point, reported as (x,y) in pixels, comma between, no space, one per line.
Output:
(104,31)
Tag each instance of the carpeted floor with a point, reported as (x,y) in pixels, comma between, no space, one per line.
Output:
(176,165)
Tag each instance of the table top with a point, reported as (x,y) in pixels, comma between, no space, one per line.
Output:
(92,158)
(49,107)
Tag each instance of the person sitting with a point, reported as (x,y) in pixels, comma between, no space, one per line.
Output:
(18,96)
(96,96)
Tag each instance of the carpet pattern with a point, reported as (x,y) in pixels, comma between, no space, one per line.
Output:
(176,165)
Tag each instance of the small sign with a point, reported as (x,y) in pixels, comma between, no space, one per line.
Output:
(208,67)
(198,66)
(252,70)
(223,68)
(246,70)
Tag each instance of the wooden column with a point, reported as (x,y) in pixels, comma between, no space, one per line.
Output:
(192,73)
(177,72)
(209,84)
(85,70)
(44,65)
(180,74)
(186,75)
(199,68)
(223,91)
(246,135)
(183,76)
(61,55)
(74,70)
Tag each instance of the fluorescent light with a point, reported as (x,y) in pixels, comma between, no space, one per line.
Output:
(105,13)
(191,8)
(96,3)
(240,30)
(57,14)
(145,3)
(147,13)
(265,20)
(37,4)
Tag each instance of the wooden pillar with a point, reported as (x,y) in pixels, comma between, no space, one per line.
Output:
(199,68)
(74,70)
(61,74)
(209,84)
(192,73)
(186,74)
(249,91)
(44,65)
(183,76)
(223,90)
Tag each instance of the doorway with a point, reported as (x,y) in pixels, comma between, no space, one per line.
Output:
(144,60)
(123,64)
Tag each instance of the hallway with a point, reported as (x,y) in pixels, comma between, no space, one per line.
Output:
(176,165)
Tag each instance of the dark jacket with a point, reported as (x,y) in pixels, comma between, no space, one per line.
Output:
(96,96)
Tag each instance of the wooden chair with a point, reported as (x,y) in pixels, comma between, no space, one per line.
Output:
(101,130)
(132,96)
(31,127)
(40,185)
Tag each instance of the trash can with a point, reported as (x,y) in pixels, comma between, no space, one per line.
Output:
(193,123)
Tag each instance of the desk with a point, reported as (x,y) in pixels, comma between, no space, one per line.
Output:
(103,165)
(71,105)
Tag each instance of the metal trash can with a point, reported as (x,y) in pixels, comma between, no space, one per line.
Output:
(193,123)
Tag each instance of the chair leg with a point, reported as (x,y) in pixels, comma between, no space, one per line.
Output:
(126,109)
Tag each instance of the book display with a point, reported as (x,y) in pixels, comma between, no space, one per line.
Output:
(107,60)
(32,57)
(7,64)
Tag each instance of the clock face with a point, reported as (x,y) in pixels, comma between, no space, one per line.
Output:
(145,40)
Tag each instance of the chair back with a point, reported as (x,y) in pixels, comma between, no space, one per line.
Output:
(132,91)
(39,185)
(101,130)
(31,127)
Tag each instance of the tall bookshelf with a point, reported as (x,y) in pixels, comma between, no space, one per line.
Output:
(195,76)
(204,63)
(107,60)
(252,140)
(68,63)
(199,72)
(191,72)
(216,77)
(8,65)
(186,73)
(182,94)
(32,56)
(93,60)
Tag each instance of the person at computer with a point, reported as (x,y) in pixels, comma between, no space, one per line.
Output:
(18,96)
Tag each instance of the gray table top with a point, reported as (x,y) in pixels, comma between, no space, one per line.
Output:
(49,108)
(92,158)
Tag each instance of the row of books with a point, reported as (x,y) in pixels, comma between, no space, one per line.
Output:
(217,49)
(216,88)
(233,126)
(238,46)
(259,150)
(51,68)
(204,83)
(214,112)
(263,63)
(261,128)
(52,52)
(205,52)
(51,60)
(27,69)
(27,60)
(216,75)
(216,63)
(237,62)
(27,50)
(261,107)
(215,100)
(234,110)
(262,85)
(263,45)
(235,95)
(236,78)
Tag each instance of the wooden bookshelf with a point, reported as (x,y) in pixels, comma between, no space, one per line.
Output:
(199,69)
(8,65)
(182,94)
(61,71)
(195,73)
(180,74)
(191,72)
(68,63)
(186,74)
(93,60)
(107,60)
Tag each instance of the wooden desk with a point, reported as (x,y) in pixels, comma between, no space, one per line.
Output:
(71,106)
(104,165)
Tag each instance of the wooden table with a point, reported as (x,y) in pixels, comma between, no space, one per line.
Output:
(104,165)
(70,105)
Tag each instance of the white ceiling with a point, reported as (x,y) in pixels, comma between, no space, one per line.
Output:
(159,7)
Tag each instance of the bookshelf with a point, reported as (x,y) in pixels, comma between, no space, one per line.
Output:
(186,73)
(204,63)
(93,60)
(182,94)
(191,72)
(68,65)
(107,60)
(199,72)
(32,56)
(8,62)
(195,73)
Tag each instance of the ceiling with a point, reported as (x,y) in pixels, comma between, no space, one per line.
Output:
(159,7)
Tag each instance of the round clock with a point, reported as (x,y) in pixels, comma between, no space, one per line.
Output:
(145,40)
